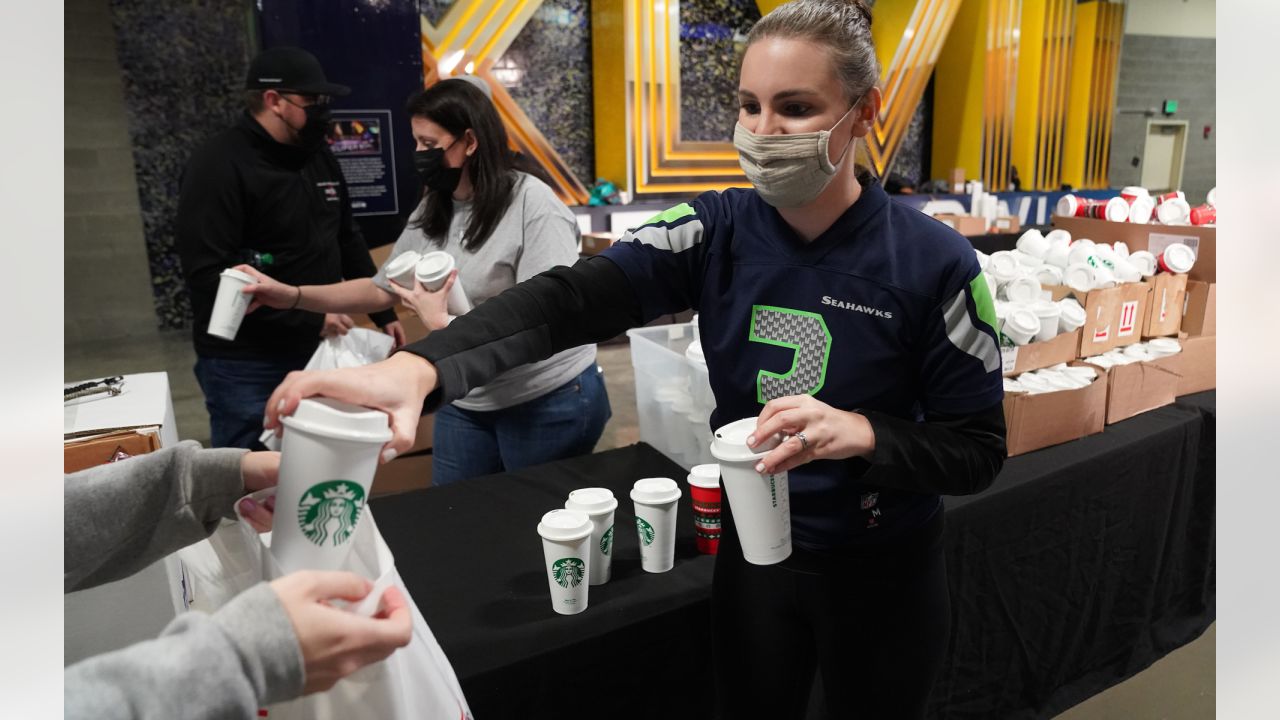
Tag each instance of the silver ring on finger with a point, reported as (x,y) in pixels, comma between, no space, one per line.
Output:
(804,441)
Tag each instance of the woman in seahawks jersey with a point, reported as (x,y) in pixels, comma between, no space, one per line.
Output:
(856,326)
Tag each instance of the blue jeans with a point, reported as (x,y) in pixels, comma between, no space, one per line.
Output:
(236,392)
(563,423)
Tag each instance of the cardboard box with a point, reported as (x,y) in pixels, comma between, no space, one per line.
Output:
(405,473)
(1006,225)
(594,243)
(957,181)
(1038,421)
(84,453)
(1200,316)
(1153,238)
(1113,317)
(1016,360)
(1197,365)
(1164,305)
(966,225)
(1140,387)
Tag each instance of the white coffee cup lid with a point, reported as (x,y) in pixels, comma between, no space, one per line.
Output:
(1058,236)
(565,525)
(1023,289)
(1212,197)
(655,491)
(729,443)
(694,353)
(1179,258)
(705,476)
(1117,209)
(1072,312)
(1023,321)
(339,420)
(434,265)
(1173,211)
(238,275)
(1046,309)
(1080,276)
(1003,264)
(1144,261)
(402,262)
(592,501)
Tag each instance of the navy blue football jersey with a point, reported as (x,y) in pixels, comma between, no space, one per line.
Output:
(886,310)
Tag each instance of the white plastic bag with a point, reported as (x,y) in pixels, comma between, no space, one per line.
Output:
(415,683)
(360,346)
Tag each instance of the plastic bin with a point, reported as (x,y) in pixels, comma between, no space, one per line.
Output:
(673,395)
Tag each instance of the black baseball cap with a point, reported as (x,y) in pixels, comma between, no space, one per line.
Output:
(292,69)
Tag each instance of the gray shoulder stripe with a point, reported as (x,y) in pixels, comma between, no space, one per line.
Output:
(676,239)
(967,337)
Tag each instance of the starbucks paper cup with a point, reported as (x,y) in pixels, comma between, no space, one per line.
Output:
(566,550)
(1058,237)
(1070,315)
(1049,275)
(402,268)
(599,505)
(1033,243)
(1003,266)
(328,455)
(761,503)
(1071,206)
(1048,312)
(704,490)
(1058,256)
(1080,277)
(1141,209)
(1173,211)
(433,270)
(1021,326)
(1144,261)
(1204,215)
(1133,193)
(230,304)
(656,506)
(1177,258)
(1022,290)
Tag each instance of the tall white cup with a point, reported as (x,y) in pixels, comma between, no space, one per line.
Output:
(328,455)
(656,506)
(599,505)
(230,304)
(566,536)
(1033,243)
(402,268)
(1071,315)
(761,504)
(432,271)
(1049,314)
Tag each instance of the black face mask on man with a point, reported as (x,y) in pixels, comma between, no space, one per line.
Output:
(312,135)
(433,171)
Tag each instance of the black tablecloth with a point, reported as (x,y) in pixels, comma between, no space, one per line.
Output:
(1079,567)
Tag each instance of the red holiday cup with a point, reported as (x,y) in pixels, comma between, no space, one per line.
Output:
(1114,210)
(1175,195)
(1204,215)
(704,490)
(1071,206)
(1133,192)
(1177,258)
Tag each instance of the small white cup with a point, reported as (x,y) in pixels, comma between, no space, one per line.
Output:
(1084,254)
(1021,326)
(402,269)
(1080,277)
(1174,211)
(1049,275)
(656,505)
(566,552)
(1071,316)
(761,503)
(432,271)
(1177,258)
(1144,261)
(1049,314)
(1141,210)
(1058,256)
(1022,290)
(599,505)
(230,304)
(1033,243)
(1003,266)
(1121,247)
(1058,237)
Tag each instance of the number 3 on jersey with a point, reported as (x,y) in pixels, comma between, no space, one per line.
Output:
(807,335)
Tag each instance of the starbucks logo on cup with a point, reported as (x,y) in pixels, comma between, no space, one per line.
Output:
(646,531)
(606,541)
(329,511)
(568,572)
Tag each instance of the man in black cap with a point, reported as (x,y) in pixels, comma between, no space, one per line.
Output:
(268,192)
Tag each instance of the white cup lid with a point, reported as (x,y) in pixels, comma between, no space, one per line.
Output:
(434,265)
(1022,321)
(565,525)
(705,476)
(1049,275)
(1003,264)
(339,420)
(1179,258)
(592,501)
(1135,191)
(238,275)
(1144,261)
(1058,236)
(1046,309)
(694,353)
(729,443)
(1080,276)
(1117,209)
(1023,289)
(655,491)
(402,262)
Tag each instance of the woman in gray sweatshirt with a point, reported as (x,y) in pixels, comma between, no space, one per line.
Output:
(273,642)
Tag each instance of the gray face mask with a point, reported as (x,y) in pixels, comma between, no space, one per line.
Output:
(788,170)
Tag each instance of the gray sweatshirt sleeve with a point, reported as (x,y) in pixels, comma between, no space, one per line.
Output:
(121,517)
(224,665)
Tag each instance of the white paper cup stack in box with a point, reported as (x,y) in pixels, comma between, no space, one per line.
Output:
(402,269)
(599,505)
(328,456)
(566,540)
(656,505)
(760,503)
(432,271)
(230,304)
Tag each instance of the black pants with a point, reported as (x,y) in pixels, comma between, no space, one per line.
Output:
(874,625)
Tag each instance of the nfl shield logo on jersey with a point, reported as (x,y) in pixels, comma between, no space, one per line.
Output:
(869,500)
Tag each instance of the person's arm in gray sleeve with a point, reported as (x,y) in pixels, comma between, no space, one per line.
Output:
(225,665)
(121,517)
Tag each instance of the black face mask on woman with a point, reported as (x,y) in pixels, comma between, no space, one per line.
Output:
(433,172)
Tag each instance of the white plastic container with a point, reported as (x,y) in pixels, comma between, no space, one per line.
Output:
(658,356)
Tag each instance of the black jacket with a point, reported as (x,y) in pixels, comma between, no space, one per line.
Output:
(243,192)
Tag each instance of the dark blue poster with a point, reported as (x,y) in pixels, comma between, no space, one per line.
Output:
(363,141)
(375,48)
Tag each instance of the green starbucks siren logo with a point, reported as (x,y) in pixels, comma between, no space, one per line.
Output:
(568,572)
(646,531)
(606,541)
(329,511)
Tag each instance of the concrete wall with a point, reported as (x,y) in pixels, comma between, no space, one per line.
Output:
(107,281)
